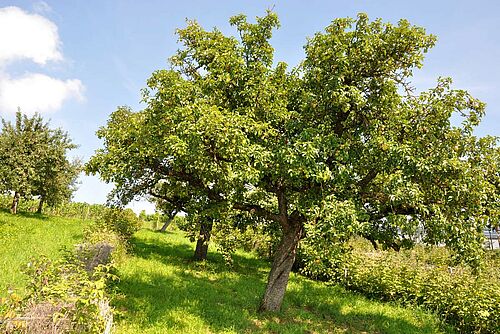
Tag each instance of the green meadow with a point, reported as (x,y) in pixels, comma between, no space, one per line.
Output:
(161,290)
(26,236)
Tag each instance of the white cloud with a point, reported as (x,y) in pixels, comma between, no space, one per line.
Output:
(37,93)
(27,36)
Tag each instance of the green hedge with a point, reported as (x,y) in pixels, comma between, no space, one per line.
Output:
(422,276)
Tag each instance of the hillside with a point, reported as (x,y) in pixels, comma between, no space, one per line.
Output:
(161,290)
(25,236)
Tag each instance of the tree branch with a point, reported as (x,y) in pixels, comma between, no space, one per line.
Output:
(368,178)
(282,207)
(258,210)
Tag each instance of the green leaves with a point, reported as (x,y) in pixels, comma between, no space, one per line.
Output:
(33,160)
(227,128)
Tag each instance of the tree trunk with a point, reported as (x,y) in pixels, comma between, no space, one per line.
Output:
(40,205)
(284,257)
(200,253)
(497,229)
(15,203)
(169,220)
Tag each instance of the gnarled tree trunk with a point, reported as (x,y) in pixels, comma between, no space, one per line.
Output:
(200,253)
(15,203)
(284,257)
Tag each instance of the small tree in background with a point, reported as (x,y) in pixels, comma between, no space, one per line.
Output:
(33,161)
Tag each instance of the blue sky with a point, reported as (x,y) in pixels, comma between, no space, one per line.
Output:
(76,61)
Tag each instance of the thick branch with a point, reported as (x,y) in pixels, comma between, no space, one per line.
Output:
(367,179)
(282,207)
(258,210)
(398,210)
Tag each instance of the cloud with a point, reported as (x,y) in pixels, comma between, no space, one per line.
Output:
(41,7)
(27,36)
(37,93)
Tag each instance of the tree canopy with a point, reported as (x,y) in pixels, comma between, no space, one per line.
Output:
(340,144)
(33,161)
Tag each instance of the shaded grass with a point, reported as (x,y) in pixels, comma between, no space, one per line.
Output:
(163,291)
(29,235)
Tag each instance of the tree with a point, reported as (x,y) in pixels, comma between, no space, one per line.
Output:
(34,163)
(339,145)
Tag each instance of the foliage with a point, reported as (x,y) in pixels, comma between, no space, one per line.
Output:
(68,294)
(425,276)
(123,222)
(162,291)
(34,162)
(79,210)
(240,233)
(340,144)
(65,284)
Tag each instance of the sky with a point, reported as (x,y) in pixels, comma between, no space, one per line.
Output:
(76,61)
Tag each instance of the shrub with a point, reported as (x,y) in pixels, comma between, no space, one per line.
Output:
(123,222)
(424,276)
(62,298)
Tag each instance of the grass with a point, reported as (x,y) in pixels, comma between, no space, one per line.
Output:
(29,235)
(163,291)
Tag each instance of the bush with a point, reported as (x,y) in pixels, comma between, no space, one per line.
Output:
(62,298)
(424,276)
(122,222)
(70,295)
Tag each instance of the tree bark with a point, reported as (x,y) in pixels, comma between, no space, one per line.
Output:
(40,205)
(169,220)
(200,253)
(497,229)
(284,258)
(15,203)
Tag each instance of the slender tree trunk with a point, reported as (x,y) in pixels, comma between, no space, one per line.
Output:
(169,220)
(200,253)
(284,257)
(15,203)
(497,229)
(40,205)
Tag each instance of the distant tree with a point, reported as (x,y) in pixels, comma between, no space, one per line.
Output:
(339,145)
(33,161)
(59,179)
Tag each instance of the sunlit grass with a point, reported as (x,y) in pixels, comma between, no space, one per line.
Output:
(25,236)
(163,291)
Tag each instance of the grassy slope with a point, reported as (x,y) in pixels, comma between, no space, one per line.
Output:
(163,291)
(29,235)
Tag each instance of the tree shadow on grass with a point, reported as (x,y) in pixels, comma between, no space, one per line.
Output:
(227,300)
(25,214)
(182,254)
(34,215)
